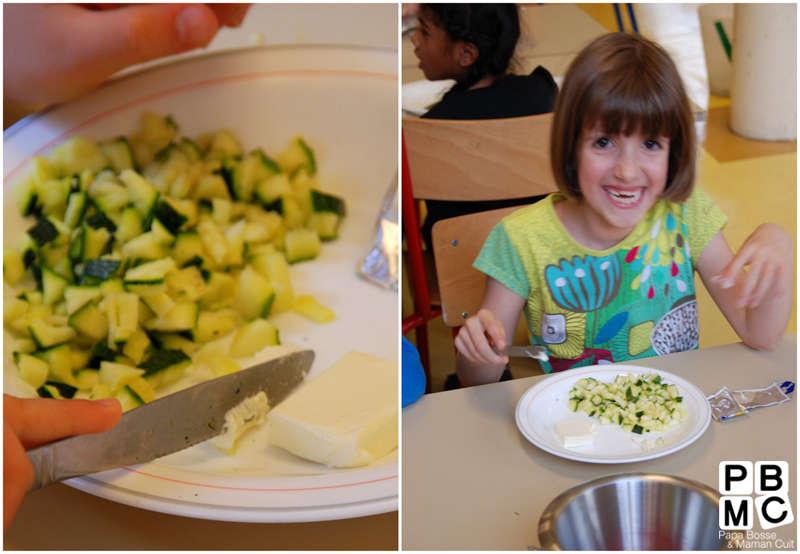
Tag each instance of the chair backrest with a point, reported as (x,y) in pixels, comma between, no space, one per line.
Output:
(488,159)
(456,243)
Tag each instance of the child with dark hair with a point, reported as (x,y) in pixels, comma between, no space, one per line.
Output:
(474,45)
(604,269)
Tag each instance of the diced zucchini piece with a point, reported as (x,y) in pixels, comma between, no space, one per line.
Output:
(308,306)
(14,309)
(13,266)
(161,304)
(301,244)
(272,188)
(325,202)
(143,194)
(32,370)
(169,216)
(87,378)
(165,366)
(90,321)
(253,337)
(182,317)
(209,187)
(118,151)
(122,309)
(53,286)
(142,389)
(102,269)
(234,237)
(213,325)
(326,224)
(298,155)
(171,341)
(223,145)
(187,246)
(44,231)
(45,335)
(186,285)
(255,168)
(137,346)
(76,207)
(220,291)
(150,271)
(274,267)
(99,220)
(213,240)
(77,154)
(129,225)
(115,376)
(60,362)
(255,294)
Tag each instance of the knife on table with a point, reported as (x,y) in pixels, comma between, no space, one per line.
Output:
(168,424)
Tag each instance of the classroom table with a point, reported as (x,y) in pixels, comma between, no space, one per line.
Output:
(472,481)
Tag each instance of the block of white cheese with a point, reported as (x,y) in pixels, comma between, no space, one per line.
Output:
(575,432)
(344,417)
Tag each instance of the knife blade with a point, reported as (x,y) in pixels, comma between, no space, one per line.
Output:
(168,424)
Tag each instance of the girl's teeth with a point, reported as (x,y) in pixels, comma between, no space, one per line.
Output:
(626,197)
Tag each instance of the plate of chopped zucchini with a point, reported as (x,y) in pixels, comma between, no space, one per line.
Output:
(189,221)
(613,414)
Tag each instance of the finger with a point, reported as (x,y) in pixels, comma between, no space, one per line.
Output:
(42,420)
(468,346)
(230,15)
(139,33)
(486,327)
(769,278)
(753,275)
(17,474)
(730,273)
(495,331)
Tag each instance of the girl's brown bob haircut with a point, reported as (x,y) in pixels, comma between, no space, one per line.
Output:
(625,84)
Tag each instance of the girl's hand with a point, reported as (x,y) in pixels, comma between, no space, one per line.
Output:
(480,336)
(767,254)
(31,422)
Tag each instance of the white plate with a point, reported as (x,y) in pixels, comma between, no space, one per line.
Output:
(546,403)
(344,101)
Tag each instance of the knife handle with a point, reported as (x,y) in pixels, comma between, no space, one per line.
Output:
(44,466)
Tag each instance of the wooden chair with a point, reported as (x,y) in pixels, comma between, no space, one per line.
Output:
(489,159)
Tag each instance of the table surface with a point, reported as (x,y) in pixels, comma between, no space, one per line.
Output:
(78,521)
(472,481)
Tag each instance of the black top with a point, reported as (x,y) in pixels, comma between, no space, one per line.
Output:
(509,96)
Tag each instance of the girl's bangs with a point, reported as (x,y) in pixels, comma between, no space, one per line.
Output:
(630,106)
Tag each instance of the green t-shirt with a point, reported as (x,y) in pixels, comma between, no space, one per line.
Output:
(633,300)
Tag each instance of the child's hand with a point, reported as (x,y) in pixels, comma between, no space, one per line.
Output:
(767,253)
(54,52)
(30,422)
(480,336)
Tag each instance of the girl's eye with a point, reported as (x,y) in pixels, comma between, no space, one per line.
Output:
(602,142)
(652,144)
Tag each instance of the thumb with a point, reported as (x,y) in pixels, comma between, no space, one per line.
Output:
(139,33)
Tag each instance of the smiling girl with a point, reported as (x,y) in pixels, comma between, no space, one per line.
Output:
(604,269)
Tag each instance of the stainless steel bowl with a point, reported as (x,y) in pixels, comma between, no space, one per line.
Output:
(634,511)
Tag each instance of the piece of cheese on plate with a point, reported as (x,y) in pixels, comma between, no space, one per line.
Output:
(575,432)
(344,417)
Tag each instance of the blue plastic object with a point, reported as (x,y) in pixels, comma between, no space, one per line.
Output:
(413,374)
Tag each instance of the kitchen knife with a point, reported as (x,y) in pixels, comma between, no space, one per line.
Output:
(168,424)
